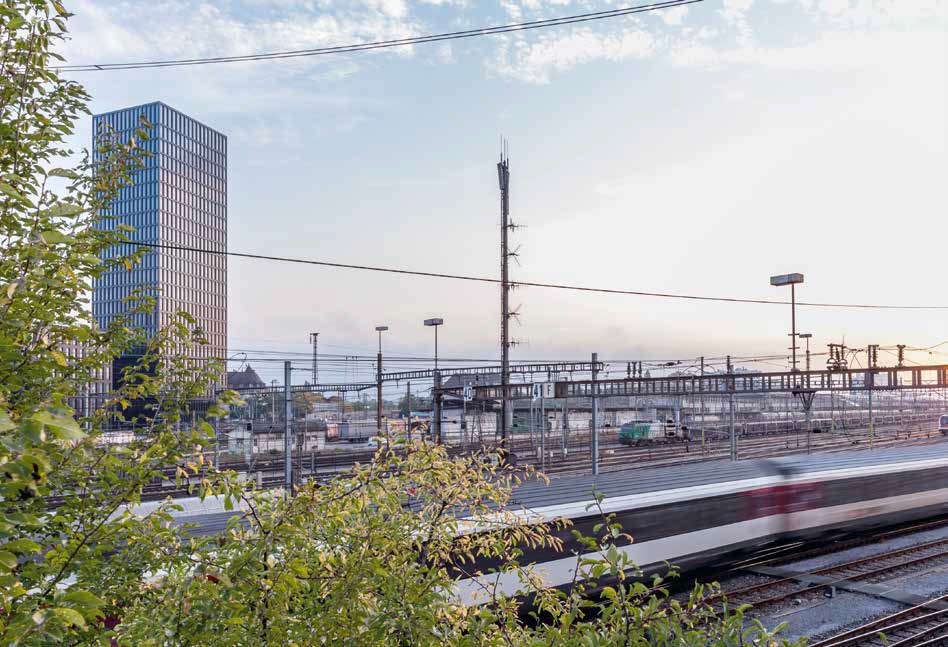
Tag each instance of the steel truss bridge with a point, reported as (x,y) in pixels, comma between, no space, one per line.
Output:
(875,379)
(548,368)
(800,382)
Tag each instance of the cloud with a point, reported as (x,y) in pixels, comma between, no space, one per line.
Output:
(536,61)
(832,49)
(192,28)
(673,16)
(717,34)
(170,29)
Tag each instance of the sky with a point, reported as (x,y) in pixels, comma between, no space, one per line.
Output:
(695,150)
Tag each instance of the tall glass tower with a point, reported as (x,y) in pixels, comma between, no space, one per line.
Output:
(179,198)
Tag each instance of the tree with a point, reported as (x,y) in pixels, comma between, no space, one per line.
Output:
(65,492)
(417,404)
(371,558)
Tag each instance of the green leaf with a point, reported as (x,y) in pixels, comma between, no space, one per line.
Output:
(60,358)
(69,616)
(63,209)
(22,546)
(63,172)
(13,193)
(7,560)
(83,599)
(60,425)
(53,237)
(11,289)
(6,423)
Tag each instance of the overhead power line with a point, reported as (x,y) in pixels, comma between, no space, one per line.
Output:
(384,44)
(530,284)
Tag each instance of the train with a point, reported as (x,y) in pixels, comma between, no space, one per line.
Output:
(943,425)
(699,515)
(643,432)
(636,433)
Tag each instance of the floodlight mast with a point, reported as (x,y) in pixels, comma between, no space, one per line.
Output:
(792,280)
(378,380)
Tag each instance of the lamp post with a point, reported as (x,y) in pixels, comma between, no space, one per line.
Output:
(273,403)
(436,414)
(792,280)
(807,336)
(434,323)
(378,375)
(805,394)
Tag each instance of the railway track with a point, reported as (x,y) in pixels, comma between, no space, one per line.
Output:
(866,568)
(620,457)
(614,457)
(917,626)
(797,550)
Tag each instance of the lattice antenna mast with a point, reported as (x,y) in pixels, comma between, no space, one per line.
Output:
(506,226)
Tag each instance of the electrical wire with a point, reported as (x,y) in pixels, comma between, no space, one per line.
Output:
(384,44)
(531,284)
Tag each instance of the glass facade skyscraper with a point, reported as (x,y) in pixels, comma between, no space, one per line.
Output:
(178,198)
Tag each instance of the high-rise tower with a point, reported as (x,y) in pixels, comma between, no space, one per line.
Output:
(178,198)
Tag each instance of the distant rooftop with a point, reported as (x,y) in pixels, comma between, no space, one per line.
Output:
(460,380)
(243,379)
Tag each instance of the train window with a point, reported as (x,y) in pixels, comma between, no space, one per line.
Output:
(843,491)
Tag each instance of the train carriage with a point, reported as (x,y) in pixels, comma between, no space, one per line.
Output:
(698,514)
(643,432)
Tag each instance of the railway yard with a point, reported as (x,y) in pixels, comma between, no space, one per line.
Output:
(268,470)
(853,590)
(849,588)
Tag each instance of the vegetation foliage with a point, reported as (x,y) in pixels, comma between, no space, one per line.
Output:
(372,558)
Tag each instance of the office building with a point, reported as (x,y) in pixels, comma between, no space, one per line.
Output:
(178,199)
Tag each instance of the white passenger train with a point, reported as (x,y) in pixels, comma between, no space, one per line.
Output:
(698,514)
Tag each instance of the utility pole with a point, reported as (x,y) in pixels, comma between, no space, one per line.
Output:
(408,413)
(463,440)
(378,379)
(273,403)
(594,432)
(542,433)
(503,178)
(436,406)
(701,402)
(872,351)
(730,404)
(314,337)
(565,423)
(287,430)
(807,336)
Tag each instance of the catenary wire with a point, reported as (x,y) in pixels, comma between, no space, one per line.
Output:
(384,44)
(532,284)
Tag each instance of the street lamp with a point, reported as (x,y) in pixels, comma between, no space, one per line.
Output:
(807,336)
(436,414)
(435,323)
(378,406)
(792,280)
